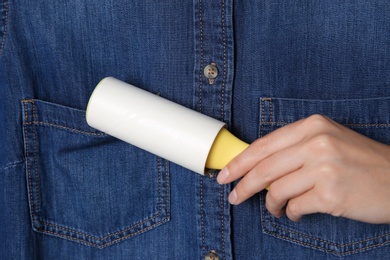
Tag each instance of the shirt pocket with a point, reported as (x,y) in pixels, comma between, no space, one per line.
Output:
(85,186)
(337,236)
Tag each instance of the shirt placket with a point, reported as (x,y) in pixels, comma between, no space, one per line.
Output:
(213,77)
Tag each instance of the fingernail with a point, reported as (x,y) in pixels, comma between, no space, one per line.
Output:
(233,197)
(223,176)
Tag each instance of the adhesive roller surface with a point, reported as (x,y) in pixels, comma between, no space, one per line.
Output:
(152,123)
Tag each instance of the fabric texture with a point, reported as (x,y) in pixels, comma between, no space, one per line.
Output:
(72,192)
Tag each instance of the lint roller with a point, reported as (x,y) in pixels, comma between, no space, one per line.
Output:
(162,127)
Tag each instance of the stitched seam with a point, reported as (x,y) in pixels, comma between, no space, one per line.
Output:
(224,61)
(201,212)
(4,28)
(271,122)
(94,237)
(262,118)
(221,189)
(326,241)
(105,244)
(159,185)
(10,165)
(328,250)
(201,53)
(30,192)
(156,224)
(318,239)
(270,114)
(36,207)
(121,231)
(42,123)
(270,109)
(222,206)
(100,238)
(167,193)
(134,234)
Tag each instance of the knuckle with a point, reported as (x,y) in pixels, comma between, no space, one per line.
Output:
(318,122)
(329,175)
(323,141)
(274,196)
(328,199)
(293,209)
(323,145)
(330,184)
(327,171)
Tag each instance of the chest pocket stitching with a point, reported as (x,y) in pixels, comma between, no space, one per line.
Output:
(66,128)
(36,217)
(282,123)
(118,232)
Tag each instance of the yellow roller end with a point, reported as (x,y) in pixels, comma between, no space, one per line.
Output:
(225,147)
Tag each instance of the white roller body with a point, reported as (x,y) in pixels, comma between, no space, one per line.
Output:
(152,123)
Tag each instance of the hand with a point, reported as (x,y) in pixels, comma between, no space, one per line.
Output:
(315,166)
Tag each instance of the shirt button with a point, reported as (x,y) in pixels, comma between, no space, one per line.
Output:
(211,72)
(211,256)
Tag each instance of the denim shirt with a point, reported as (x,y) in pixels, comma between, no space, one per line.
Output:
(72,192)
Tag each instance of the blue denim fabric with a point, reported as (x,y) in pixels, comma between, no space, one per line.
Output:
(72,192)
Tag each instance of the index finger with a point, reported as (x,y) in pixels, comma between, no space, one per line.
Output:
(262,148)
